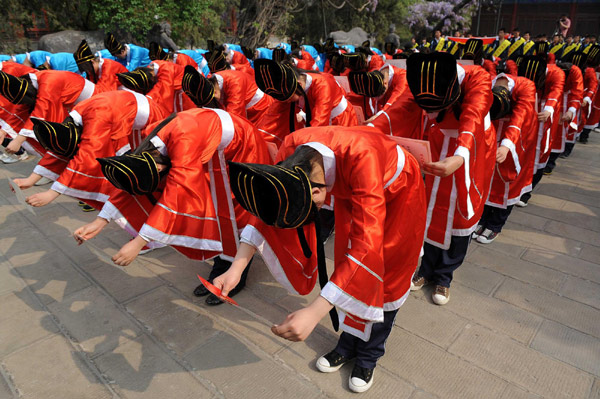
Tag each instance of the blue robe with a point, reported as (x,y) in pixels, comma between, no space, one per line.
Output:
(136,57)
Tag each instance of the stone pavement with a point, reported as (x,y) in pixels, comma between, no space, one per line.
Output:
(523,320)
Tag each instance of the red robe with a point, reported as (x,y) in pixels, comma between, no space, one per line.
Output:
(455,202)
(107,75)
(109,121)
(592,111)
(379,224)
(58,92)
(12,116)
(167,91)
(590,84)
(184,60)
(328,106)
(517,131)
(196,212)
(572,97)
(549,100)
(490,67)
(240,96)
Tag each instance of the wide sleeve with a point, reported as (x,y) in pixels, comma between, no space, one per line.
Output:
(575,95)
(590,84)
(356,285)
(235,96)
(322,96)
(404,118)
(399,85)
(555,81)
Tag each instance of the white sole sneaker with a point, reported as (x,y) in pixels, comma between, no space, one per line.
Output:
(357,385)
(521,204)
(323,365)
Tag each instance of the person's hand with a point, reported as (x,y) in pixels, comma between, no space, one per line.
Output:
(42,199)
(371,119)
(90,230)
(543,116)
(28,182)
(228,280)
(501,154)
(444,167)
(2,135)
(298,325)
(15,144)
(567,117)
(129,251)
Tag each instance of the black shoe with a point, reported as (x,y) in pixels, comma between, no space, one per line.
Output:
(361,379)
(547,171)
(331,362)
(201,290)
(87,208)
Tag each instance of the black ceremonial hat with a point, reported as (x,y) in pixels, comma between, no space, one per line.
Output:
(279,55)
(135,174)
(112,45)
(137,80)
(156,52)
(534,69)
(501,105)
(433,80)
(83,53)
(197,87)
(369,84)
(473,49)
(355,61)
(593,56)
(248,52)
(13,88)
(60,138)
(541,48)
(216,61)
(277,80)
(279,196)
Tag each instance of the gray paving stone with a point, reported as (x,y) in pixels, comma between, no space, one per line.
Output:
(422,395)
(513,392)
(508,245)
(567,264)
(552,306)
(582,291)
(435,370)
(140,369)
(240,371)
(590,253)
(22,322)
(595,392)
(482,309)
(94,321)
(573,232)
(424,320)
(528,219)
(179,323)
(519,269)
(518,364)
(9,281)
(478,278)
(568,345)
(124,283)
(566,212)
(50,369)
(5,391)
(567,193)
(540,239)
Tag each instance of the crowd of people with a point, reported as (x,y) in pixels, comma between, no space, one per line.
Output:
(225,152)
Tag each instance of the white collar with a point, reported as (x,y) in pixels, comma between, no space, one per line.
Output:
(219,80)
(34,80)
(390,73)
(328,162)
(511,82)
(309,80)
(460,71)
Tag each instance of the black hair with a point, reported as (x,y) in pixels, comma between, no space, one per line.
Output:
(303,157)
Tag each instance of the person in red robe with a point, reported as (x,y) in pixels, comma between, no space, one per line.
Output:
(100,71)
(591,99)
(571,102)
(303,99)
(156,52)
(51,93)
(101,126)
(13,116)
(190,206)
(549,81)
(234,91)
(515,118)
(380,222)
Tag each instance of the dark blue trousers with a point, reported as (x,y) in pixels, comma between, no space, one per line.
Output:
(494,218)
(437,265)
(367,353)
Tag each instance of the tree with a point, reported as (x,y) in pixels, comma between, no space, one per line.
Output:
(425,17)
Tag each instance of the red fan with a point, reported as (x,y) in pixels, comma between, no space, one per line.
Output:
(216,291)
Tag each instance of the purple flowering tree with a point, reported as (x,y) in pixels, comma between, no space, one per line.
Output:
(425,17)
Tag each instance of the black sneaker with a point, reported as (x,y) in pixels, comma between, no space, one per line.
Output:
(361,379)
(331,362)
